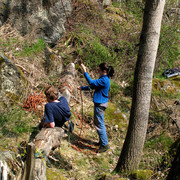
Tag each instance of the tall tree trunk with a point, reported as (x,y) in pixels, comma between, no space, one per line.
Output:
(132,149)
(174,173)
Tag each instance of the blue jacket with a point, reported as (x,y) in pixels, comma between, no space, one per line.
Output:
(57,112)
(101,86)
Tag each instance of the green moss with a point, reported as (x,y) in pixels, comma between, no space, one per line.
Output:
(166,87)
(52,174)
(163,141)
(114,116)
(114,10)
(114,90)
(176,82)
(21,83)
(142,174)
(103,162)
(82,162)
(31,49)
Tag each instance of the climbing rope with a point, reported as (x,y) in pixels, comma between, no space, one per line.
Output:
(34,102)
(80,144)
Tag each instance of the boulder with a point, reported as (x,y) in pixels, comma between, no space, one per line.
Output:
(42,18)
(13,85)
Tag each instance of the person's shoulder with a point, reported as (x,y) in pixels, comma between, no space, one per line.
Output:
(104,78)
(62,99)
(48,105)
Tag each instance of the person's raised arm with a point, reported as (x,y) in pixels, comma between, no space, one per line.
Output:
(83,67)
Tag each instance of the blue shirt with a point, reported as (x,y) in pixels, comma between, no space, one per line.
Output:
(101,86)
(57,112)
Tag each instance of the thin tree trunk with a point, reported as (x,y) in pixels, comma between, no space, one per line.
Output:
(132,149)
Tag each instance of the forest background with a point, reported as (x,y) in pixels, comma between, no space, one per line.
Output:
(110,33)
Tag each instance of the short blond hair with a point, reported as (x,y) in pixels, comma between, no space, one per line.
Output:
(51,92)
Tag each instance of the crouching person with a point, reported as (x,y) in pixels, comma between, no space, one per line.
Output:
(57,110)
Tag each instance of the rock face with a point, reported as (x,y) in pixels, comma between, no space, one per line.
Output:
(13,85)
(44,18)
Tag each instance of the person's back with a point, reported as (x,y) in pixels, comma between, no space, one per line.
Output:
(57,111)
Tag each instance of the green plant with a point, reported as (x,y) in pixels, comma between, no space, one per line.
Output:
(168,51)
(136,9)
(114,90)
(15,122)
(30,49)
(163,141)
(96,53)
(9,43)
(116,4)
(93,52)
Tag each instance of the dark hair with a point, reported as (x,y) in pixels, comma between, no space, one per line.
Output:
(109,69)
(51,92)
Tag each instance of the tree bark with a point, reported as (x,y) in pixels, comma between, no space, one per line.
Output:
(48,138)
(132,149)
(174,173)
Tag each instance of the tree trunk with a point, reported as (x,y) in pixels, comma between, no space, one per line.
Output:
(38,151)
(132,149)
(47,138)
(174,173)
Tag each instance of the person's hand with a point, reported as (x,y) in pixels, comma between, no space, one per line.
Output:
(83,67)
(79,87)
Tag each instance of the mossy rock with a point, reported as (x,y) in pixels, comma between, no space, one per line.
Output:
(142,174)
(13,85)
(115,116)
(167,85)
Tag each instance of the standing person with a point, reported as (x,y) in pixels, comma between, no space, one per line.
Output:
(100,99)
(57,110)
